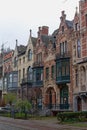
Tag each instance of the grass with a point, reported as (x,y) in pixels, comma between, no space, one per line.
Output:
(42,117)
(75,123)
(80,124)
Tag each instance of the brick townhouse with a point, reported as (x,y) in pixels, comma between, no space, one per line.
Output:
(52,69)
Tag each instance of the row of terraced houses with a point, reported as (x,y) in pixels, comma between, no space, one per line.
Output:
(51,71)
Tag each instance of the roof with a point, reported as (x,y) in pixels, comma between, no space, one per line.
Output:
(21,49)
(69,23)
(45,39)
(55,32)
(34,41)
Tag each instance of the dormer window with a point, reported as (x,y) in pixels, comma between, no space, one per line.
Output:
(30,54)
(62,29)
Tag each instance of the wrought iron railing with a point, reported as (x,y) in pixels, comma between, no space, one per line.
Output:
(36,64)
(63,79)
(63,55)
(37,83)
(26,80)
(66,106)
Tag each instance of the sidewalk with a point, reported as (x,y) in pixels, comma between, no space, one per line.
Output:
(48,124)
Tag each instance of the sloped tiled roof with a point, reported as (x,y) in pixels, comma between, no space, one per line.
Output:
(69,24)
(21,49)
(34,41)
(55,33)
(45,39)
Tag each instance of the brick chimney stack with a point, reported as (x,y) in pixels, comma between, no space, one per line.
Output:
(44,30)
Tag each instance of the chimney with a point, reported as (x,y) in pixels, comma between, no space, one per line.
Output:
(63,17)
(45,30)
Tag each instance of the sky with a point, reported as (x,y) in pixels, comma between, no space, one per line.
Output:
(17,17)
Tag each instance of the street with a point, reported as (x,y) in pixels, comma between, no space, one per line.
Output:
(18,124)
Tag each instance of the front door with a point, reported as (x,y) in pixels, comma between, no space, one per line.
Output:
(79,104)
(64,97)
(50,99)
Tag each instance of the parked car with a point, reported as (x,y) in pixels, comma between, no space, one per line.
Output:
(5,109)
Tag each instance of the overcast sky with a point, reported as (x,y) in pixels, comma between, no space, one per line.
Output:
(17,17)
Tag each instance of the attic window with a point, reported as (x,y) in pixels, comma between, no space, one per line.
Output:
(62,29)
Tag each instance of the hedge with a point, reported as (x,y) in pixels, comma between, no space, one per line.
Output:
(63,116)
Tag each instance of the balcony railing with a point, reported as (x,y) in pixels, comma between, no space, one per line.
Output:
(38,64)
(59,106)
(37,84)
(63,79)
(63,55)
(26,81)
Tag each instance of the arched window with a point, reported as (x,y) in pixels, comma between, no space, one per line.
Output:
(30,54)
(30,72)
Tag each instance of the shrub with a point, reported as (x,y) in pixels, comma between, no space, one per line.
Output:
(63,116)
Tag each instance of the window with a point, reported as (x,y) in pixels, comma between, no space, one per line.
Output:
(30,54)
(23,72)
(39,75)
(47,73)
(83,75)
(67,67)
(63,70)
(63,48)
(34,75)
(30,71)
(86,19)
(19,75)
(78,48)
(10,78)
(62,29)
(58,69)
(23,59)
(20,61)
(15,61)
(76,77)
(76,27)
(39,57)
(5,83)
(52,72)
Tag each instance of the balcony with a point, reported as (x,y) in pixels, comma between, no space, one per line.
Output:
(59,106)
(37,84)
(63,55)
(63,79)
(38,64)
(26,81)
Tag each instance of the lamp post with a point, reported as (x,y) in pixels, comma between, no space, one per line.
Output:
(3,52)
